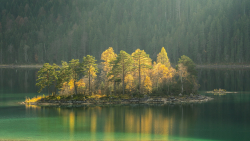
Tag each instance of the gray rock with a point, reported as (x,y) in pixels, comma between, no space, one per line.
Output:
(180,94)
(191,94)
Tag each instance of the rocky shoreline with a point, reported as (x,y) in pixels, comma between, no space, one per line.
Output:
(159,100)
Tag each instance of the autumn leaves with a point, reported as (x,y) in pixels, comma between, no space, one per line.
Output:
(135,71)
(120,74)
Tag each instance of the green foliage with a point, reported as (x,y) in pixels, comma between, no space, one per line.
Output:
(47,76)
(74,71)
(186,61)
(89,68)
(122,66)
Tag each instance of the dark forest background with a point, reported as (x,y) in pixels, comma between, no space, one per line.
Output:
(208,31)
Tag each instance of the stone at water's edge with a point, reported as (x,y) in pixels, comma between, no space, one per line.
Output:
(167,100)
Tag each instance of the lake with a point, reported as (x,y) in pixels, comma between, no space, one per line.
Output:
(224,118)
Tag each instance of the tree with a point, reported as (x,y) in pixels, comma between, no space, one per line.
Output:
(55,73)
(75,70)
(161,73)
(123,64)
(108,56)
(148,84)
(182,72)
(128,80)
(89,68)
(141,62)
(47,76)
(63,75)
(187,62)
(162,58)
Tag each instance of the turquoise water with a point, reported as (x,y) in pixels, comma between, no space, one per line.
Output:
(224,118)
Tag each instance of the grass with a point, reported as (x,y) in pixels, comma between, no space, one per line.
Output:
(34,99)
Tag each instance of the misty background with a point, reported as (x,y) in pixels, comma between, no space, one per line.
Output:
(208,31)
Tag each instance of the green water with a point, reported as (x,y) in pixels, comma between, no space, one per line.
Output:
(227,117)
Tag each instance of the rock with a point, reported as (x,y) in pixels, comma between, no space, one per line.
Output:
(191,94)
(172,97)
(180,94)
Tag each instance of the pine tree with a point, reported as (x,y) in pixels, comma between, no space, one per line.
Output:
(142,62)
(47,76)
(75,70)
(108,56)
(89,68)
(123,64)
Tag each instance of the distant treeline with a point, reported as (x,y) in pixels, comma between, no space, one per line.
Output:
(208,31)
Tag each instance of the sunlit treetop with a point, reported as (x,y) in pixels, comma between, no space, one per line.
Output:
(108,56)
(140,57)
(162,58)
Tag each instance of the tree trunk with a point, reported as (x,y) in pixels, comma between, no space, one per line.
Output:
(89,83)
(55,87)
(75,87)
(114,88)
(139,74)
(123,76)
(48,81)
(181,85)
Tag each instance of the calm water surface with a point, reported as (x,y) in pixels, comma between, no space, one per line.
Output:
(225,118)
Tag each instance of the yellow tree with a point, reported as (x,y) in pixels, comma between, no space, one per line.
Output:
(161,73)
(129,79)
(162,58)
(142,63)
(108,56)
(148,84)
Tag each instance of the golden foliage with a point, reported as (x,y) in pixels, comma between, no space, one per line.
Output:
(129,82)
(92,71)
(162,58)
(161,72)
(148,84)
(34,99)
(71,84)
(108,56)
(68,88)
(80,84)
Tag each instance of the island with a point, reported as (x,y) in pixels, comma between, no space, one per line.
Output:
(123,79)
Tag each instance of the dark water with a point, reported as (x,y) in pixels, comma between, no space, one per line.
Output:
(227,117)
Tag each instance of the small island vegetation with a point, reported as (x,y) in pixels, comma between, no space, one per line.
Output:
(119,78)
(220,91)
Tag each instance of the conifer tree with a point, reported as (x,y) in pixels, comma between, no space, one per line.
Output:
(123,64)
(162,58)
(75,70)
(89,68)
(63,75)
(108,56)
(141,62)
(47,76)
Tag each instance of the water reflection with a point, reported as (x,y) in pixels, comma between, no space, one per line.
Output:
(229,79)
(144,122)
